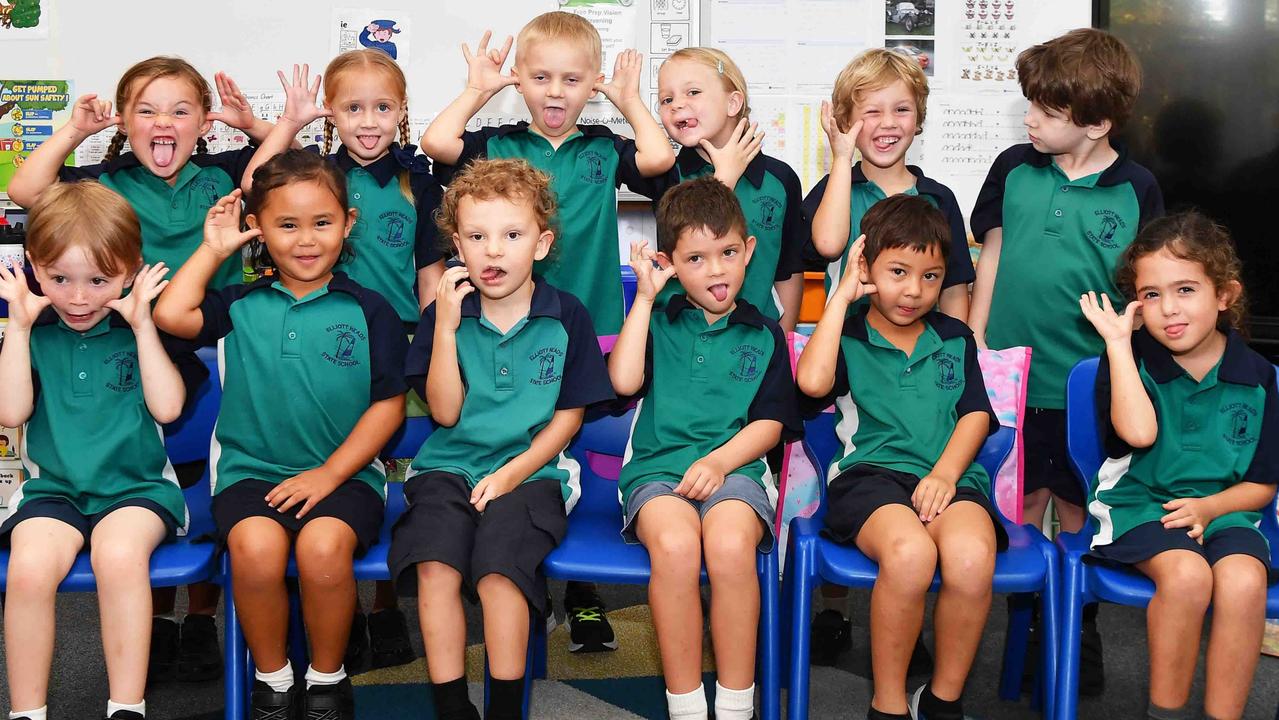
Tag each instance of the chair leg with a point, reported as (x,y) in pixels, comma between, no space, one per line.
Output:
(235,653)
(299,654)
(769,671)
(1016,639)
(800,577)
(1050,644)
(530,659)
(1071,608)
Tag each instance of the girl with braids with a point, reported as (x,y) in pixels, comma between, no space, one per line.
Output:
(163,109)
(394,248)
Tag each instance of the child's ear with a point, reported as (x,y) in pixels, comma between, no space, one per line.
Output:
(544,242)
(351,215)
(750,248)
(251,220)
(515,72)
(1099,130)
(131,276)
(735,103)
(663,260)
(863,269)
(1228,295)
(205,127)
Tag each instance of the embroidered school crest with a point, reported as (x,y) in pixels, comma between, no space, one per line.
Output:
(393,229)
(549,362)
(122,371)
(592,164)
(1109,224)
(768,213)
(747,367)
(1241,424)
(344,340)
(205,191)
(948,376)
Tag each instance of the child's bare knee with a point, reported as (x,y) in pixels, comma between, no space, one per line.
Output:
(31,575)
(909,561)
(1239,582)
(675,549)
(730,551)
(436,579)
(1186,580)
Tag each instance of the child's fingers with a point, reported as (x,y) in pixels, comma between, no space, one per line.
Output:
(506,49)
(856,129)
(306,507)
(483,45)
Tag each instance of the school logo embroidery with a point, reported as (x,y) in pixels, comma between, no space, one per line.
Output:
(205,191)
(1110,224)
(769,213)
(1241,424)
(345,339)
(593,173)
(948,377)
(122,371)
(550,366)
(747,367)
(393,229)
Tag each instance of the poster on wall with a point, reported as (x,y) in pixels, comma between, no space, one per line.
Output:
(24,20)
(30,112)
(360,28)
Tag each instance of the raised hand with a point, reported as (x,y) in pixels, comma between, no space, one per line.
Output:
(222,232)
(90,115)
(842,144)
(731,160)
(135,307)
(626,77)
(649,280)
(484,66)
(301,97)
(851,288)
(1110,326)
(24,305)
(236,111)
(454,285)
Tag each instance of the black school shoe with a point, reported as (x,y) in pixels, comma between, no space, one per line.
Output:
(163,661)
(389,643)
(1092,670)
(356,659)
(330,702)
(199,657)
(267,704)
(831,635)
(588,626)
(126,715)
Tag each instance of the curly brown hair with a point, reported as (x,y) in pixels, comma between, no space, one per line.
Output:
(491,179)
(1192,236)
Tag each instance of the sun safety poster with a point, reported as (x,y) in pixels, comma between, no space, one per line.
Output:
(30,112)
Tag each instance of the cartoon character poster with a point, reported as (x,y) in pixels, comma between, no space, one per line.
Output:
(361,28)
(24,19)
(30,112)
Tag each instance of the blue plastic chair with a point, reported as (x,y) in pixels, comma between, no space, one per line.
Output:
(593,551)
(1084,583)
(406,442)
(1029,565)
(187,559)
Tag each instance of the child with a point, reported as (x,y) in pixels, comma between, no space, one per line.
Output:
(312,390)
(73,368)
(507,372)
(557,70)
(1068,203)
(694,482)
(704,107)
(913,413)
(163,112)
(1189,414)
(394,246)
(877,108)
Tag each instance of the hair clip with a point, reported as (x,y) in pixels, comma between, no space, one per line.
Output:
(719,66)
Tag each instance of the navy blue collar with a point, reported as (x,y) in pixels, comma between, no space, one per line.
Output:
(49,316)
(544,303)
(946,327)
(924,185)
(340,282)
(1119,172)
(384,169)
(743,314)
(585,129)
(691,163)
(1238,365)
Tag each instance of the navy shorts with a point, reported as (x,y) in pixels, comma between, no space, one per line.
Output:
(855,495)
(1047,461)
(510,538)
(62,509)
(1149,539)
(735,487)
(354,502)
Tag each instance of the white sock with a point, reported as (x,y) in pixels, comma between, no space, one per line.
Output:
(688,706)
(40,713)
(113,707)
(315,677)
(280,681)
(734,704)
(170,616)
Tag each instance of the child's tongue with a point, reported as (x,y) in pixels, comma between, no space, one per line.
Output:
(162,153)
(554,117)
(720,292)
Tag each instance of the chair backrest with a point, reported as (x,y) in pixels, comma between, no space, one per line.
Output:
(599,448)
(187,438)
(408,439)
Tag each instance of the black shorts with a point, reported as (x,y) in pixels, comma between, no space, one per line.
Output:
(511,537)
(1149,539)
(354,502)
(855,495)
(1047,461)
(62,509)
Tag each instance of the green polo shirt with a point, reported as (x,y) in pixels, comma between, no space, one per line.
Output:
(1062,238)
(297,375)
(959,265)
(703,383)
(393,236)
(772,201)
(515,382)
(898,412)
(585,173)
(90,439)
(172,218)
(1210,438)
